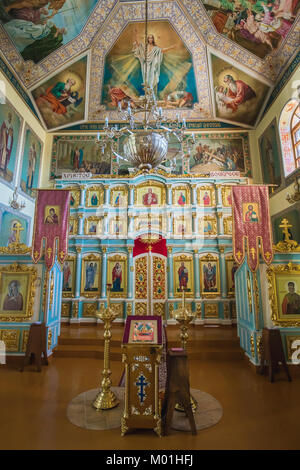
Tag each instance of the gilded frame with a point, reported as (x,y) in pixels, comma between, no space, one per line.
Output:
(119,189)
(70,293)
(212,196)
(189,263)
(99,225)
(230,264)
(116,219)
(95,259)
(208,218)
(217,291)
(150,183)
(225,196)
(75,193)
(18,271)
(185,222)
(75,226)
(149,220)
(211,310)
(94,189)
(292,274)
(187,195)
(227,224)
(111,263)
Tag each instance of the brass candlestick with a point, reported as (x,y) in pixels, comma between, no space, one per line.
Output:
(106,399)
(184,318)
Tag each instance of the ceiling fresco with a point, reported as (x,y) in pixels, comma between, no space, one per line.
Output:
(42,40)
(39,27)
(260,26)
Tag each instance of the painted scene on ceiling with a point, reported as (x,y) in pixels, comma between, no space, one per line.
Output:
(61,99)
(39,27)
(211,152)
(238,96)
(259,26)
(170,69)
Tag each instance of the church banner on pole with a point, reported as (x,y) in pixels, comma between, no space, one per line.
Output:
(251,223)
(51,223)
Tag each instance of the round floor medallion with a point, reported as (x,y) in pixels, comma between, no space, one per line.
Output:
(81,412)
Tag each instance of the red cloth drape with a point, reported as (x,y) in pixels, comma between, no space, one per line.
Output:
(51,223)
(251,223)
(159,247)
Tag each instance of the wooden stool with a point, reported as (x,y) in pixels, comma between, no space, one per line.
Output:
(272,351)
(36,345)
(177,389)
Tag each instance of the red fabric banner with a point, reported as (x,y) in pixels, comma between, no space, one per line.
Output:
(51,223)
(159,246)
(251,222)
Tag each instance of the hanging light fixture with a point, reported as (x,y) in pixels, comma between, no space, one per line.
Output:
(145,145)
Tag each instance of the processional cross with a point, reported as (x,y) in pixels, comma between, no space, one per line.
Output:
(17,228)
(285,225)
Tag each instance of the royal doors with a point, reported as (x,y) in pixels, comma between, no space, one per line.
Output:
(150,284)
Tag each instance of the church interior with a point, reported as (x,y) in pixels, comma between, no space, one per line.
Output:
(149,224)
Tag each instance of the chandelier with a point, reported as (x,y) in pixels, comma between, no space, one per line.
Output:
(146,131)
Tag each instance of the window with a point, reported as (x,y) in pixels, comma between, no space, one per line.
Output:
(289,130)
(295,131)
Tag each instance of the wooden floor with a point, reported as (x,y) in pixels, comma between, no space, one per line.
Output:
(257,414)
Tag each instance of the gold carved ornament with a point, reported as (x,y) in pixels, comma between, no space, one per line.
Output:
(211,311)
(159,278)
(66,309)
(18,270)
(89,309)
(11,339)
(289,269)
(141,277)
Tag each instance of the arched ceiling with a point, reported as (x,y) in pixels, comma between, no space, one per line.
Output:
(48,41)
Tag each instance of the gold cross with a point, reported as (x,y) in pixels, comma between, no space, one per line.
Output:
(36,254)
(17,228)
(62,254)
(253,252)
(268,254)
(239,254)
(285,225)
(49,251)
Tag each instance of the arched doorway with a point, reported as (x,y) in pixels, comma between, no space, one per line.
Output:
(150,274)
